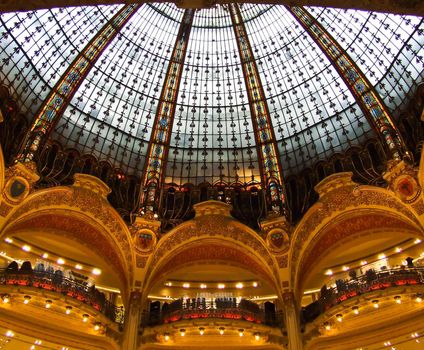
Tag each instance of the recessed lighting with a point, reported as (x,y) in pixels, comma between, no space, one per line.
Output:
(398,299)
(345,268)
(339,317)
(78,267)
(26,248)
(355,310)
(45,256)
(201,330)
(8,240)
(257,336)
(182,332)
(166,334)
(239,285)
(329,273)
(221,330)
(68,310)
(398,250)
(364,262)
(48,304)
(96,271)
(60,261)
(85,317)
(241,332)
(186,285)
(38,342)
(203,286)
(10,334)
(221,286)
(27,298)
(375,303)
(255,284)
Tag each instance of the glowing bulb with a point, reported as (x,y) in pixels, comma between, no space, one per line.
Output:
(398,299)
(355,310)
(329,273)
(241,332)
(32,347)
(221,330)
(221,286)
(155,216)
(27,298)
(327,326)
(38,342)
(26,248)
(78,267)
(182,332)
(45,256)
(60,261)
(375,303)
(68,310)
(186,285)
(382,256)
(10,334)
(166,336)
(96,327)
(203,286)
(345,268)
(398,250)
(419,299)
(417,241)
(96,271)
(339,317)
(201,330)
(257,336)
(8,240)
(239,285)
(255,284)
(6,298)
(48,304)
(85,318)
(364,262)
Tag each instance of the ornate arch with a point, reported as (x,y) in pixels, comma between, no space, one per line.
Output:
(212,235)
(82,213)
(345,209)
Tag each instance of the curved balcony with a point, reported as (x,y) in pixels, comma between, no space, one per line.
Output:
(55,282)
(369,282)
(227,308)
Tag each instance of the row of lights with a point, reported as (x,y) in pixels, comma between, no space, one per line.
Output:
(375,303)
(381,256)
(238,285)
(48,305)
(59,261)
(220,329)
(10,334)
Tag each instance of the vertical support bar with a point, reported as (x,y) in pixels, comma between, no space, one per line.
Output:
(268,156)
(61,95)
(157,152)
(369,101)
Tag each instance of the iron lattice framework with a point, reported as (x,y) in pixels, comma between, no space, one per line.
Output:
(271,172)
(153,173)
(54,106)
(369,101)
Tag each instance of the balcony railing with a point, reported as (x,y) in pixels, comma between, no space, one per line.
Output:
(366,283)
(227,308)
(60,284)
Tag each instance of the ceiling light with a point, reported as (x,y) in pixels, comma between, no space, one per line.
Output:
(201,330)
(48,304)
(257,336)
(387,343)
(85,317)
(221,286)
(255,284)
(155,215)
(26,248)
(45,256)
(10,334)
(78,267)
(6,298)
(355,310)
(182,332)
(166,336)
(169,284)
(203,286)
(68,310)
(96,271)
(241,332)
(186,285)
(329,273)
(345,268)
(8,240)
(398,250)
(339,317)
(375,303)
(417,241)
(60,261)
(27,298)
(97,327)
(327,326)
(398,299)
(382,256)
(419,298)
(364,262)
(239,285)
(221,330)
(38,342)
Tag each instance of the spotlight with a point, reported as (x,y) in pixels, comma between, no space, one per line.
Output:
(68,310)
(201,330)
(221,330)
(182,332)
(241,332)
(27,298)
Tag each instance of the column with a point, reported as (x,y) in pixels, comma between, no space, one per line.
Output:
(291,315)
(132,322)
(59,98)
(368,100)
(269,159)
(157,153)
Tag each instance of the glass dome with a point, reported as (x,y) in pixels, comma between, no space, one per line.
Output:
(313,112)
